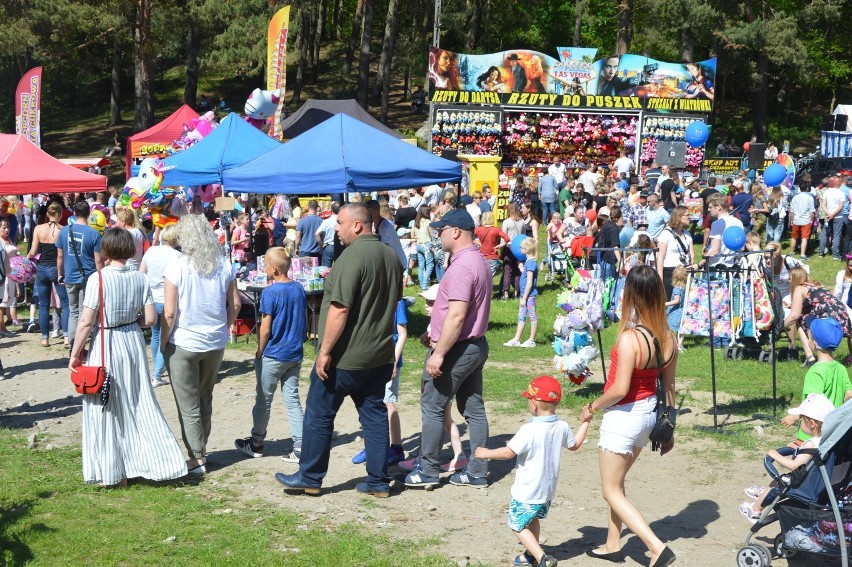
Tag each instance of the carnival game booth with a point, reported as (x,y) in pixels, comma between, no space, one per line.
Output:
(315,112)
(158,140)
(340,155)
(26,169)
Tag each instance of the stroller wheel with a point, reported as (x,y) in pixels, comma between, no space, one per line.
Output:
(780,550)
(752,556)
(738,353)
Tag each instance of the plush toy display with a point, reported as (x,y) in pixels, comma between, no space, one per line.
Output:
(667,129)
(468,132)
(260,106)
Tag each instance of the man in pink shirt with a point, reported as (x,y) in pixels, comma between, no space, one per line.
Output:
(457,355)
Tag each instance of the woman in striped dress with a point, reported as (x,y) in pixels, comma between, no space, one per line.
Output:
(128,436)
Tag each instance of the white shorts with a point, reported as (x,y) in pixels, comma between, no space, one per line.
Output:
(392,390)
(627,426)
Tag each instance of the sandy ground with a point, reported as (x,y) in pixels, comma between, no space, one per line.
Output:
(689,499)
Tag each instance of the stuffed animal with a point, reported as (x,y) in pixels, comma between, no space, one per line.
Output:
(260,106)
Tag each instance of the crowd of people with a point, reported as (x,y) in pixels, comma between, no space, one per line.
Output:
(181,281)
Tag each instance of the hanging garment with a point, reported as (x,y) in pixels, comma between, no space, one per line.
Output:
(749,329)
(696,313)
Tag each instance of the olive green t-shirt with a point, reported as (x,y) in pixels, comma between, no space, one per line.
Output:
(564,195)
(366,279)
(828,378)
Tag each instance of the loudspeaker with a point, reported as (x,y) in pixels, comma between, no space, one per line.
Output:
(672,154)
(452,155)
(835,122)
(755,155)
(828,122)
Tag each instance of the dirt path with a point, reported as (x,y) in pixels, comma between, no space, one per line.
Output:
(689,497)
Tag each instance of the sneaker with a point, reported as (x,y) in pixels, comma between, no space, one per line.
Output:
(417,479)
(249,448)
(548,561)
(755,492)
(464,478)
(7,334)
(457,464)
(55,334)
(512,343)
(528,344)
(749,513)
(32,327)
(836,258)
(292,457)
(360,458)
(157,382)
(395,457)
(803,257)
(410,464)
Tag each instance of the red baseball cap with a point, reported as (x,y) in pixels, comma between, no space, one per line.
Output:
(544,389)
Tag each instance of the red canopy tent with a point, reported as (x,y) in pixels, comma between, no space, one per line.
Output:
(26,169)
(156,140)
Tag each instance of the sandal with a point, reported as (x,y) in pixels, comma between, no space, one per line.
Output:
(512,343)
(45,343)
(525,559)
(755,492)
(809,361)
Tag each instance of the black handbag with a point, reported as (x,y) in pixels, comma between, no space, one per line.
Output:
(664,425)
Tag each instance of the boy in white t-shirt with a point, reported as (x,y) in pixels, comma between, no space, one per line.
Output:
(537,445)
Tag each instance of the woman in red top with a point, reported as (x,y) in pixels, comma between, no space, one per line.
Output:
(629,401)
(491,241)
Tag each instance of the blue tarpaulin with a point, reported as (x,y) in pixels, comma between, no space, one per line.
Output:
(341,155)
(231,144)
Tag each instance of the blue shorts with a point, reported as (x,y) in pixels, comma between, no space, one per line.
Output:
(520,514)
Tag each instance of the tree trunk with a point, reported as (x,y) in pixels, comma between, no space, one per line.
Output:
(143,88)
(406,87)
(625,26)
(579,9)
(190,90)
(386,61)
(302,41)
(338,19)
(364,59)
(115,83)
(472,35)
(387,48)
(760,93)
(353,38)
(320,19)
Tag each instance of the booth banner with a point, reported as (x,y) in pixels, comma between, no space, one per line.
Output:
(276,63)
(28,106)
(723,166)
(530,78)
(468,130)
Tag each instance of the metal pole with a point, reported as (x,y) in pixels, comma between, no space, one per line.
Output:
(712,347)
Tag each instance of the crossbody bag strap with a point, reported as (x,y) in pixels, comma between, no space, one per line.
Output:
(76,254)
(101,315)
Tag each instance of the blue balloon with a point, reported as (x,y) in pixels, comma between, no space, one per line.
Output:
(515,247)
(626,235)
(774,175)
(734,238)
(697,134)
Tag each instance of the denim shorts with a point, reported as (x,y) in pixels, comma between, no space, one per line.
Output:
(392,390)
(627,426)
(521,514)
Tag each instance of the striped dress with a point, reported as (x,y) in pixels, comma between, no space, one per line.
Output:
(128,437)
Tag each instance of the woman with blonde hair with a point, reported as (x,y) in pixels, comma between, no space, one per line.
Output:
(47,275)
(128,221)
(810,300)
(200,306)
(674,247)
(629,403)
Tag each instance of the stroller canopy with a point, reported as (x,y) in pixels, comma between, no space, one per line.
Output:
(837,425)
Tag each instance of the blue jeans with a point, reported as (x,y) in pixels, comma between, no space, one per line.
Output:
(439,271)
(46,277)
(774,230)
(547,211)
(328,255)
(425,265)
(834,225)
(367,390)
(461,379)
(159,363)
(269,373)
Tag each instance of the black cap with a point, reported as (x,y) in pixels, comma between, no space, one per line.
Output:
(643,194)
(457,218)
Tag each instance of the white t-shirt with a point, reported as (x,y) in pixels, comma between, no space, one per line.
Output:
(475,212)
(538,445)
(801,207)
(139,243)
(157,259)
(430,194)
(589,180)
(557,171)
(201,324)
(717,229)
(833,198)
(623,165)
(387,234)
(674,251)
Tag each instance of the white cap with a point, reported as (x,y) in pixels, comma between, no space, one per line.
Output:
(815,406)
(430,294)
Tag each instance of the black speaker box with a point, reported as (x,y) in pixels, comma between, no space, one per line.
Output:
(672,154)
(828,122)
(452,155)
(841,121)
(755,155)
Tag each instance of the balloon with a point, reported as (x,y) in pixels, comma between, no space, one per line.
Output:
(746,146)
(21,269)
(626,235)
(516,248)
(97,220)
(591,215)
(774,175)
(697,134)
(734,238)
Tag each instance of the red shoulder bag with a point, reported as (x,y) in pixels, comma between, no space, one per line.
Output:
(90,379)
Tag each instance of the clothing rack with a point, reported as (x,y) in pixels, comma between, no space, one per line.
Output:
(736,269)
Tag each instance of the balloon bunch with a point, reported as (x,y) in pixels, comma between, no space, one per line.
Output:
(572,341)
(165,204)
(196,130)
(476,133)
(260,106)
(576,138)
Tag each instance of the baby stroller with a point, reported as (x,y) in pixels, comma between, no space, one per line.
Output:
(813,503)
(557,262)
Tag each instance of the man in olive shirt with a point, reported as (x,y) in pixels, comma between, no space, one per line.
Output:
(356,353)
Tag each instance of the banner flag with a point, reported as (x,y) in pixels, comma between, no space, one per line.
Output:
(276,63)
(28,106)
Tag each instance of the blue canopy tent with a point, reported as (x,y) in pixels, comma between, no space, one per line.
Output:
(231,144)
(340,155)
